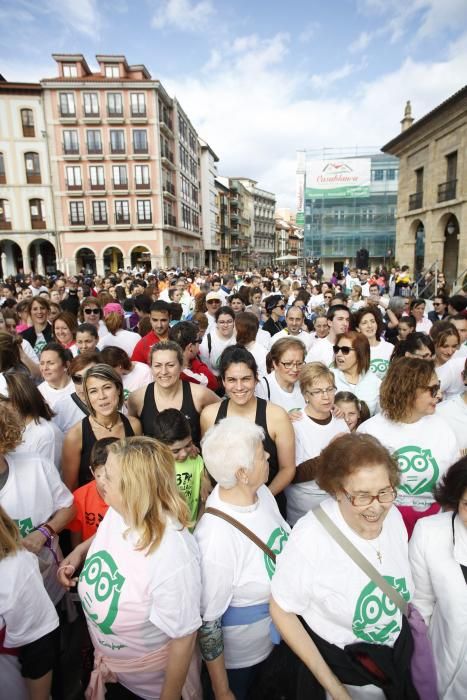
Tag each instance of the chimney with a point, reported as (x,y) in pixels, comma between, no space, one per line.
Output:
(408,120)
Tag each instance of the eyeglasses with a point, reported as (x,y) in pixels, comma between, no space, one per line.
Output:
(323,392)
(91,311)
(289,365)
(77,378)
(225,323)
(366,499)
(344,349)
(434,389)
(213,301)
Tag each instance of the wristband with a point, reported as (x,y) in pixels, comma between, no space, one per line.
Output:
(48,527)
(48,542)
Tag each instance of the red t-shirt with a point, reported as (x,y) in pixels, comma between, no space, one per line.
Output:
(143,346)
(90,510)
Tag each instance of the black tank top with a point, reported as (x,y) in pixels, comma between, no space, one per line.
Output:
(88,441)
(150,412)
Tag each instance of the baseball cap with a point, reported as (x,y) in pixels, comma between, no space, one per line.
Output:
(211,296)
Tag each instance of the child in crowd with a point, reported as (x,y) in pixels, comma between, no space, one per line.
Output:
(173,429)
(89,499)
(354,411)
(407,325)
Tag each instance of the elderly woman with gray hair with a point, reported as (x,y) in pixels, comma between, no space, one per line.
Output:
(236,568)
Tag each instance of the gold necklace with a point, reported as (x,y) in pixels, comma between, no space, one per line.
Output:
(106,427)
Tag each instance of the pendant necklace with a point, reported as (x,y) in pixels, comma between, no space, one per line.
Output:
(106,427)
(377,549)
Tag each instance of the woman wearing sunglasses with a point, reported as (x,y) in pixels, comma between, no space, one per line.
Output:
(352,369)
(275,307)
(90,311)
(422,442)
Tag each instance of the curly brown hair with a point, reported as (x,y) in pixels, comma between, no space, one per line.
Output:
(399,387)
(11,429)
(344,455)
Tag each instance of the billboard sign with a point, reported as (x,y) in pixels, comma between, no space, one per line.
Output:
(338,178)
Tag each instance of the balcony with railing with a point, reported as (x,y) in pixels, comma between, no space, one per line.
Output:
(71,149)
(96,186)
(146,186)
(415,200)
(95,150)
(122,220)
(33,177)
(117,148)
(167,126)
(121,185)
(77,220)
(5,224)
(447,191)
(168,189)
(38,223)
(170,220)
(115,114)
(74,189)
(100,221)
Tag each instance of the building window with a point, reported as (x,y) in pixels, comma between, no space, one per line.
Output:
(378,175)
(73,177)
(120,177)
(140,141)
(451,167)
(77,214)
(114,104)
(184,159)
(169,218)
(33,168)
(165,152)
(112,71)
(117,141)
(37,212)
(91,104)
(144,211)
(96,177)
(27,121)
(67,104)
(70,70)
(391,174)
(70,142)
(94,141)
(182,128)
(142,176)
(99,213)
(2,170)
(5,217)
(138,104)
(122,212)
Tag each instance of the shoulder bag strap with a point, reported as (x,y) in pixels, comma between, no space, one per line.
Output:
(361,561)
(248,533)
(209,344)
(268,387)
(80,404)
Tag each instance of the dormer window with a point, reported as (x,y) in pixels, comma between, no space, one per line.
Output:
(112,71)
(70,70)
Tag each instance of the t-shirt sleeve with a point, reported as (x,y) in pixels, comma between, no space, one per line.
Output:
(176,600)
(62,497)
(30,613)
(291,583)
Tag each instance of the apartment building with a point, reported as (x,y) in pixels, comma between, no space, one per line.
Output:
(223,222)
(210,225)
(120,149)
(28,240)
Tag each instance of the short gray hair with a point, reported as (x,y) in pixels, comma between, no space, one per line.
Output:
(228,446)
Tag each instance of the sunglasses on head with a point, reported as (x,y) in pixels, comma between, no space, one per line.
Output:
(344,349)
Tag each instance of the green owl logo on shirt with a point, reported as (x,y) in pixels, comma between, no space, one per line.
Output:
(379,366)
(276,542)
(375,619)
(100,599)
(419,470)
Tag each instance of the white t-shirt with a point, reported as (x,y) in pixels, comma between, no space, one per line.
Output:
(454,412)
(450,376)
(424,450)
(461,353)
(67,413)
(235,572)
(303,336)
(135,603)
(27,613)
(424,325)
(321,351)
(218,345)
(32,494)
(379,358)
(126,340)
(263,337)
(268,388)
(139,376)
(316,579)
(102,330)
(310,439)
(259,352)
(44,438)
(366,389)
(29,351)
(52,395)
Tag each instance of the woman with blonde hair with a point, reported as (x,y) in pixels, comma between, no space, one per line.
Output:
(28,620)
(140,584)
(103,394)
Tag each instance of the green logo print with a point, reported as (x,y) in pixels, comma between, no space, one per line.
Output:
(25,526)
(276,542)
(101,573)
(375,618)
(419,470)
(379,366)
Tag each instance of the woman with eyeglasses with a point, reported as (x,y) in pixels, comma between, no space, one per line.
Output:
(103,393)
(352,368)
(281,385)
(239,375)
(353,642)
(421,441)
(317,427)
(217,339)
(90,311)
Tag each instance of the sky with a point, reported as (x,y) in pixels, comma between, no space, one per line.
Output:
(261,80)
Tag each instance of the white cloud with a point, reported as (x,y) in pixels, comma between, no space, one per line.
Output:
(80,16)
(361,42)
(182,14)
(309,32)
(321,81)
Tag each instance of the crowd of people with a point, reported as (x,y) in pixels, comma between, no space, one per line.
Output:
(233,486)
